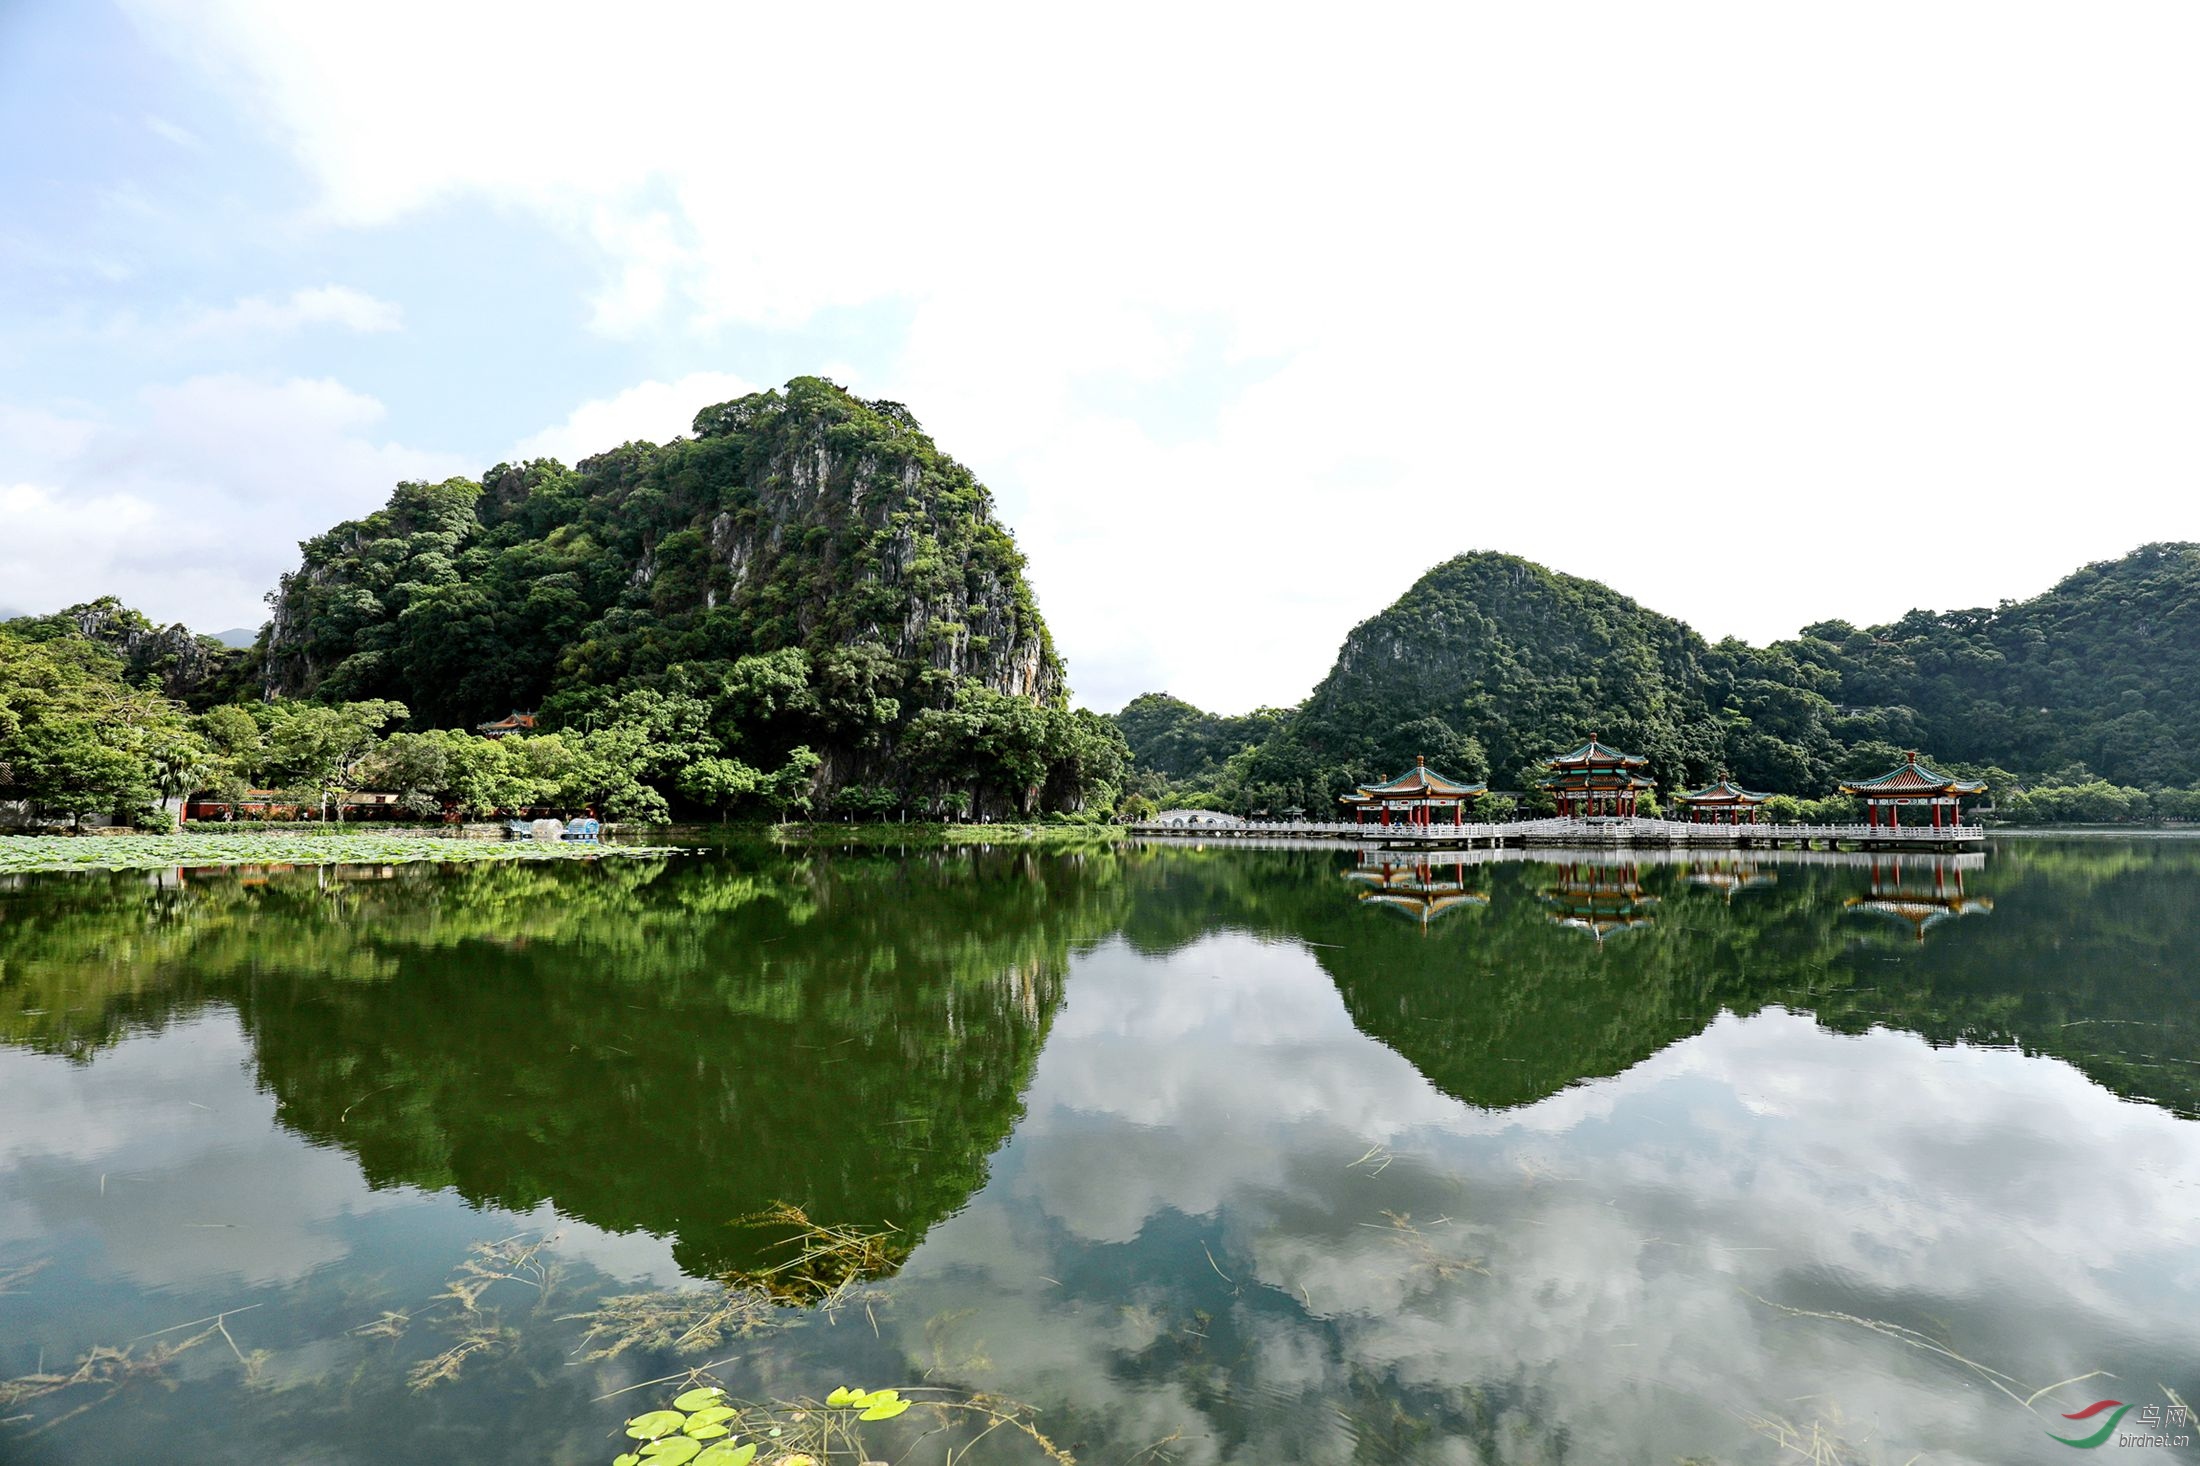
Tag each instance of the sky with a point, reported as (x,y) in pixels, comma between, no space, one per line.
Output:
(1247,315)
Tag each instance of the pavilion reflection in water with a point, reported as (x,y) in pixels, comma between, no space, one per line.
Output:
(1730,877)
(1920,891)
(1600,898)
(1419,886)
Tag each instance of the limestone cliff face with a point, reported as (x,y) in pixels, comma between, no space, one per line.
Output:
(875,536)
(186,664)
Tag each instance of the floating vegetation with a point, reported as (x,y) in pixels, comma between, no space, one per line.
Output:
(476,1331)
(107,1368)
(11,1277)
(675,1321)
(1821,1441)
(1426,1256)
(825,1266)
(1824,1446)
(706,1427)
(485,1337)
(825,1262)
(24,854)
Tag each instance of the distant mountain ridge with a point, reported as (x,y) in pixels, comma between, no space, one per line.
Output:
(1491,663)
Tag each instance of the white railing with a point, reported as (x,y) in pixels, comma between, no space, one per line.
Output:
(1588,830)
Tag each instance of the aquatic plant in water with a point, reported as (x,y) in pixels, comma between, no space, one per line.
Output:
(705,1427)
(25,854)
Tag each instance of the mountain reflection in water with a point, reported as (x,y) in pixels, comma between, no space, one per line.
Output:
(1578,1159)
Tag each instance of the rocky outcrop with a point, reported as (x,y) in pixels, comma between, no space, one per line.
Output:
(186,664)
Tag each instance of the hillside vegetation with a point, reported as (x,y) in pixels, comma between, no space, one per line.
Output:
(2072,704)
(805,606)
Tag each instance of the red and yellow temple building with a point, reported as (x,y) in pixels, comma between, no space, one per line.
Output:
(1723,803)
(1597,782)
(1913,783)
(1415,797)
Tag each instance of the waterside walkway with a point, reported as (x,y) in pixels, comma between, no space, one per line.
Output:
(1591,834)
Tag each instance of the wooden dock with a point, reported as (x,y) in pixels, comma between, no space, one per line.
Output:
(1585,834)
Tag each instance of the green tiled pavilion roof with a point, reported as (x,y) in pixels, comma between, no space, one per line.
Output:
(1593,754)
(1418,782)
(1726,791)
(1913,776)
(1598,779)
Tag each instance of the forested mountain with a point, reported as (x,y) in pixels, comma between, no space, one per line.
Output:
(805,607)
(808,607)
(2102,671)
(1176,740)
(1490,664)
(809,567)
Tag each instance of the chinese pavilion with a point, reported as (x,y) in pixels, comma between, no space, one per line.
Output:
(1912,782)
(1420,888)
(512,722)
(1921,897)
(1723,803)
(1415,794)
(1594,780)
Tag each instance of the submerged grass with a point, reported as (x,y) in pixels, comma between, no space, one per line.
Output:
(500,1293)
(822,1262)
(24,854)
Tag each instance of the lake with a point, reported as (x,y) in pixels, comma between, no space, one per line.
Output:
(1141,1155)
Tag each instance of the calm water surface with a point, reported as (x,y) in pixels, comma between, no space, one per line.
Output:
(1206,1155)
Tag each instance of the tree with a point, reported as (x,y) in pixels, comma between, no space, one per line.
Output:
(317,748)
(790,786)
(718,782)
(416,767)
(75,739)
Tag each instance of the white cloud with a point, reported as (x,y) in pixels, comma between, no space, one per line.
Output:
(325,305)
(1624,1247)
(194,507)
(174,132)
(651,411)
(1585,283)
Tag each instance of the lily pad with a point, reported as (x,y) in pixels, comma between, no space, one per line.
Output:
(670,1451)
(701,1398)
(709,1415)
(654,1424)
(726,1453)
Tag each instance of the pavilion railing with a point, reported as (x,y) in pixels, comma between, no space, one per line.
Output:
(1590,830)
